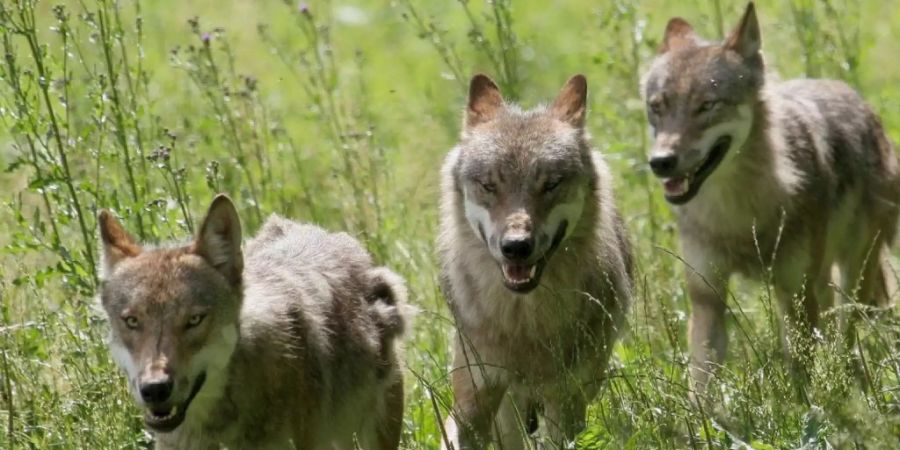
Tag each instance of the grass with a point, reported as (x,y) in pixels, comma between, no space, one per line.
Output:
(339,113)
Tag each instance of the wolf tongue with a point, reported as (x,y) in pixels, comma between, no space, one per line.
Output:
(676,186)
(518,272)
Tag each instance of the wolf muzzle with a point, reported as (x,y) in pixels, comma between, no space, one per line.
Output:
(157,390)
(517,247)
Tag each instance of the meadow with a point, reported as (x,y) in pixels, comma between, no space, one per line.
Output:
(339,113)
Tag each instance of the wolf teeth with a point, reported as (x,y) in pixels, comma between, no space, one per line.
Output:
(507,273)
(172,413)
(677,186)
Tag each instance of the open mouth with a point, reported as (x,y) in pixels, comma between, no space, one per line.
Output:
(523,277)
(679,190)
(165,418)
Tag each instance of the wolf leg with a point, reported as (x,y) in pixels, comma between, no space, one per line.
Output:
(800,310)
(708,339)
(707,279)
(564,418)
(478,388)
(863,280)
(391,421)
(511,428)
(800,274)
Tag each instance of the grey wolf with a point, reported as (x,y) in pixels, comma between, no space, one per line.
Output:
(536,268)
(774,180)
(290,342)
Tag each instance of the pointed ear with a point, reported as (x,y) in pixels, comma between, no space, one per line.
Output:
(485,100)
(219,239)
(679,34)
(745,39)
(571,103)
(117,243)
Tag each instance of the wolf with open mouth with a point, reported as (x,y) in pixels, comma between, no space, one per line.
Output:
(293,347)
(766,178)
(536,268)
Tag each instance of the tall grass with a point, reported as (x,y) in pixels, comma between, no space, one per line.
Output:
(339,114)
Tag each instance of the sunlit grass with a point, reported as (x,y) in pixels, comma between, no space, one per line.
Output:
(340,113)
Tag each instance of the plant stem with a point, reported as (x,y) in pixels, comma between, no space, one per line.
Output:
(30,33)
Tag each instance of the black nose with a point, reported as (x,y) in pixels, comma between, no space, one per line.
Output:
(157,391)
(517,248)
(664,164)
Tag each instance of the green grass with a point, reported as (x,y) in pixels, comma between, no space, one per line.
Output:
(341,116)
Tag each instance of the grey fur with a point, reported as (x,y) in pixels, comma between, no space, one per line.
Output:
(814,183)
(545,349)
(315,362)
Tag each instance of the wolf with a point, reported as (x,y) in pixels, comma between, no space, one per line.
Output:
(293,341)
(774,180)
(536,267)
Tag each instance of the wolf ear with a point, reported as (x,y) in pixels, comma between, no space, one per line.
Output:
(570,104)
(219,240)
(117,243)
(745,39)
(484,100)
(679,34)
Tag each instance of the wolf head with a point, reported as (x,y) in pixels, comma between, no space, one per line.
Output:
(700,102)
(173,312)
(523,176)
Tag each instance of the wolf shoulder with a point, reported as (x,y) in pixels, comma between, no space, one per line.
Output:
(615,253)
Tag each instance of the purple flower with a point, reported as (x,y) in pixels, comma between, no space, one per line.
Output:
(303,7)
(205,38)
(162,153)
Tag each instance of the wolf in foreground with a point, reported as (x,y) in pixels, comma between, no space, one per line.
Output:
(536,268)
(792,177)
(297,346)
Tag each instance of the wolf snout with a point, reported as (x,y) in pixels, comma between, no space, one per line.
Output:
(517,247)
(663,163)
(157,390)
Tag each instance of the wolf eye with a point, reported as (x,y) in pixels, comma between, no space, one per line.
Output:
(707,106)
(195,320)
(655,107)
(490,188)
(551,185)
(131,322)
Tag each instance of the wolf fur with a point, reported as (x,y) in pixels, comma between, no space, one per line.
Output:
(292,342)
(780,179)
(535,328)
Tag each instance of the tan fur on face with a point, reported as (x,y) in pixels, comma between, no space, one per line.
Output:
(162,342)
(298,345)
(511,155)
